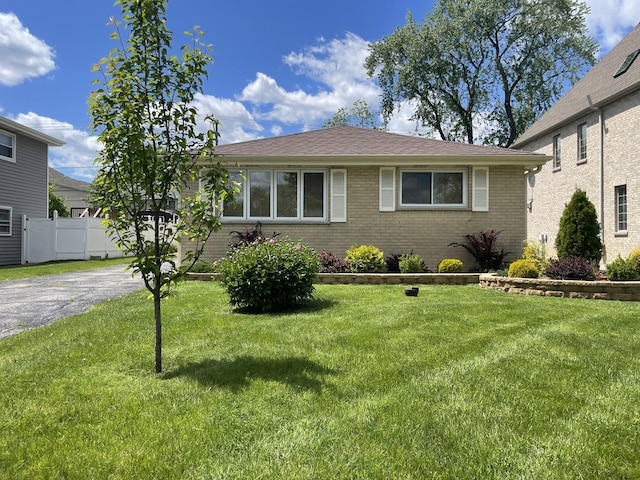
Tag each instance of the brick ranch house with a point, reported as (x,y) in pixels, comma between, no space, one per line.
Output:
(343,186)
(593,135)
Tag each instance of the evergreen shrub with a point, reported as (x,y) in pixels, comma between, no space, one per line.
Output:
(365,259)
(523,268)
(450,265)
(270,274)
(579,232)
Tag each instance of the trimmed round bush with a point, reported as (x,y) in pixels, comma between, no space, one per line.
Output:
(365,259)
(523,269)
(450,265)
(411,263)
(571,268)
(623,270)
(271,274)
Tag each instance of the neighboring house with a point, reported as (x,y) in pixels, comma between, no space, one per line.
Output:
(593,135)
(74,192)
(23,183)
(343,186)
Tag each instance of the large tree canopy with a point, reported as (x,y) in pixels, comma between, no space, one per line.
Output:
(481,70)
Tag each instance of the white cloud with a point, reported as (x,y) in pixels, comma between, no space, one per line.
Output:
(237,124)
(23,55)
(610,20)
(336,71)
(76,157)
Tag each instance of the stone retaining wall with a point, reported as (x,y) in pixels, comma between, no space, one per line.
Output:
(377,278)
(597,290)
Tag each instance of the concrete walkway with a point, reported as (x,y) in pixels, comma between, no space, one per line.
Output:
(37,301)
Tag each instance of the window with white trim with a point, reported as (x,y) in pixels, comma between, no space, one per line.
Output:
(621,208)
(278,194)
(433,188)
(7,146)
(5,221)
(557,152)
(582,142)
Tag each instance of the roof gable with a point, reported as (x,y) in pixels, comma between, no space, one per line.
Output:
(596,89)
(15,127)
(347,141)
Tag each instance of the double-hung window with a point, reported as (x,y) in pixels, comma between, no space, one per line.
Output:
(582,143)
(557,152)
(5,221)
(433,188)
(621,208)
(279,194)
(7,146)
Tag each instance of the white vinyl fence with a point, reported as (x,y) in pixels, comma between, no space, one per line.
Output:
(49,239)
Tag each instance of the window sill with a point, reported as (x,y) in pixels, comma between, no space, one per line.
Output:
(556,169)
(621,233)
(581,162)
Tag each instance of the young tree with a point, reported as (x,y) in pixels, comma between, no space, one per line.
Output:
(359,115)
(579,232)
(481,69)
(152,150)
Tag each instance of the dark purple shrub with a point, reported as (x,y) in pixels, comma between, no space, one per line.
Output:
(330,263)
(484,248)
(571,268)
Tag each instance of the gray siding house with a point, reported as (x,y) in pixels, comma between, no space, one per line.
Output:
(23,183)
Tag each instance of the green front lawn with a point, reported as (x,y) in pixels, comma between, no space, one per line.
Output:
(365,383)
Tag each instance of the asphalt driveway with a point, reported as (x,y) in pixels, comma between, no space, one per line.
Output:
(37,301)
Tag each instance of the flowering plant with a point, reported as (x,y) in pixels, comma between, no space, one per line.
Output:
(269,274)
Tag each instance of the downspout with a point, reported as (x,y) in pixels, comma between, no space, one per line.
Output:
(601,180)
(600,175)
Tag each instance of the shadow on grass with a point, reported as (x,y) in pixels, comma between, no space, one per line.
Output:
(308,306)
(236,374)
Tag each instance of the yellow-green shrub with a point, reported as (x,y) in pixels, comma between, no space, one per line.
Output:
(450,265)
(536,252)
(365,259)
(523,268)
(635,254)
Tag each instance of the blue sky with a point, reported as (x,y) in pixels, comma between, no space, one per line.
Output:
(279,67)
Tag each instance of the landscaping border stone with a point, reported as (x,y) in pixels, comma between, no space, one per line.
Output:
(596,290)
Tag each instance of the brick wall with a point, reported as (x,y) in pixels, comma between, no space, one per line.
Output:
(428,232)
(621,152)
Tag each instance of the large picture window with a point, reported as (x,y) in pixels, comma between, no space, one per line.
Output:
(433,188)
(279,195)
(7,146)
(5,221)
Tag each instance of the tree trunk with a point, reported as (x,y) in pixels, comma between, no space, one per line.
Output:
(158,318)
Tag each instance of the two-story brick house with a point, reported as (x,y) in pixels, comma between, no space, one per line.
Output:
(593,135)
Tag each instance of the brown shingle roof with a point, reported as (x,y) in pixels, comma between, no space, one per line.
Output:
(598,86)
(347,141)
